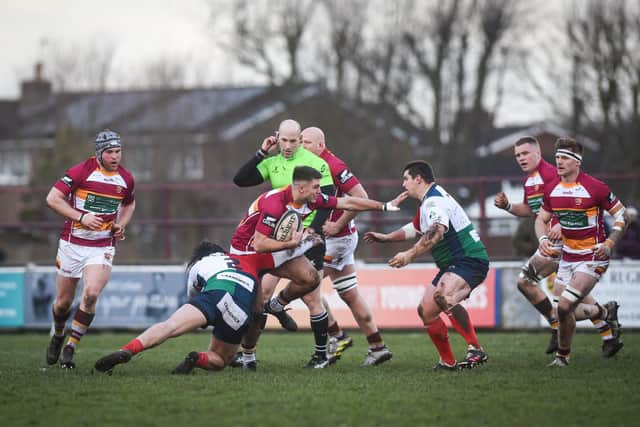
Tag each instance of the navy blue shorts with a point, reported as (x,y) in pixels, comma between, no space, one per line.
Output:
(472,270)
(229,315)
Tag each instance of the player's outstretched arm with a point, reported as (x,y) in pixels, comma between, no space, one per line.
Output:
(359,204)
(401,234)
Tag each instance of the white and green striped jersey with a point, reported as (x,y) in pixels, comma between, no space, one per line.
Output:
(460,240)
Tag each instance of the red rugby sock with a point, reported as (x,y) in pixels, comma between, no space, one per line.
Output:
(461,322)
(203,360)
(134,346)
(438,333)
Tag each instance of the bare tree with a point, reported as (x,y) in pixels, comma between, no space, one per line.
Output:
(163,73)
(345,31)
(460,47)
(603,42)
(266,36)
(79,66)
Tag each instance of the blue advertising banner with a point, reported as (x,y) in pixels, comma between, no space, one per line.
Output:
(11,299)
(135,297)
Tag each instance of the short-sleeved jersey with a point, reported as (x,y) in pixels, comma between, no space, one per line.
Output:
(279,171)
(266,210)
(579,207)
(535,183)
(92,189)
(343,180)
(460,240)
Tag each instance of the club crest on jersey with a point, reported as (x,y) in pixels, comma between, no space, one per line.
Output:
(578,201)
(67,180)
(119,189)
(269,221)
(537,187)
(345,176)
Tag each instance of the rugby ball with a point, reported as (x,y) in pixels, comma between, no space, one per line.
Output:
(289,222)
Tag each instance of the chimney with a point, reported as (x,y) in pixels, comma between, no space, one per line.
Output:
(35,91)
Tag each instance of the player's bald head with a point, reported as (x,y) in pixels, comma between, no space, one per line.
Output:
(313,139)
(289,127)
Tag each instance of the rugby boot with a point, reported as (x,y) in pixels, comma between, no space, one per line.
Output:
(54,349)
(187,365)
(559,362)
(474,357)
(66,361)
(251,366)
(317,362)
(106,363)
(285,320)
(612,318)
(236,362)
(553,342)
(336,346)
(611,347)
(441,366)
(377,356)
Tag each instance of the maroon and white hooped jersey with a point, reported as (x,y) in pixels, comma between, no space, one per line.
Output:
(266,210)
(344,180)
(579,207)
(92,189)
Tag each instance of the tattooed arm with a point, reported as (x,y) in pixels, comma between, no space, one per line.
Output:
(433,235)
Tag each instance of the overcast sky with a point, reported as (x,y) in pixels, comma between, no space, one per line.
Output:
(139,30)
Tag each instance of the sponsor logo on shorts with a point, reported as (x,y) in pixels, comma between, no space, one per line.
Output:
(108,256)
(600,270)
(269,221)
(233,315)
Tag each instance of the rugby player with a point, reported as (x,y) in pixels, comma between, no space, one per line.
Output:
(96,198)
(254,231)
(458,253)
(278,170)
(222,289)
(578,201)
(539,175)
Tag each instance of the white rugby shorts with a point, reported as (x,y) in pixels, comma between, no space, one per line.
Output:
(592,268)
(71,258)
(340,251)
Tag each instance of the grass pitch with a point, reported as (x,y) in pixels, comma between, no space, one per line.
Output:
(515,388)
